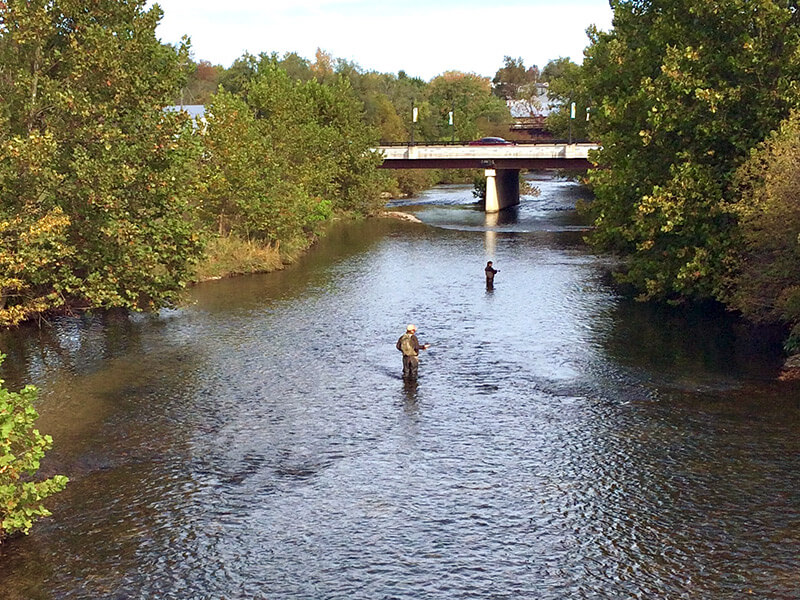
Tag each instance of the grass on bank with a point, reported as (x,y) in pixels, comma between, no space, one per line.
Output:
(227,256)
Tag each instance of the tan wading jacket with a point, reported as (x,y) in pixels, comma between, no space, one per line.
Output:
(412,346)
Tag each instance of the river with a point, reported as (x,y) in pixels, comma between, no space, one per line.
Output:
(561,441)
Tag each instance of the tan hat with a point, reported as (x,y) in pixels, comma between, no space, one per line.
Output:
(411,327)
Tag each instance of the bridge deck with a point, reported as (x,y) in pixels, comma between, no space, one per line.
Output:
(512,156)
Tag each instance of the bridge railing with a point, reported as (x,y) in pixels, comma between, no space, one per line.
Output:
(510,142)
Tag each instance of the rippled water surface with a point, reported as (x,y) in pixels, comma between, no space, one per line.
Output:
(561,442)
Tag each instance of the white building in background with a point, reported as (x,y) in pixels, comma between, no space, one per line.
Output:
(530,114)
(196,111)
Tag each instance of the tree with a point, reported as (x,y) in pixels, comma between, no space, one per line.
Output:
(476,110)
(22,448)
(683,89)
(203,81)
(402,93)
(246,68)
(557,68)
(93,172)
(764,283)
(322,67)
(241,72)
(247,182)
(565,87)
(382,114)
(354,182)
(285,154)
(296,66)
(512,78)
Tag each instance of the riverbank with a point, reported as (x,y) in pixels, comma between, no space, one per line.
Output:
(791,369)
(230,256)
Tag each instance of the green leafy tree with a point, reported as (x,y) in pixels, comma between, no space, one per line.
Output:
(382,114)
(512,79)
(236,77)
(317,130)
(565,86)
(557,68)
(355,183)
(296,66)
(764,283)
(476,110)
(22,448)
(246,186)
(283,156)
(232,173)
(403,92)
(246,69)
(682,90)
(92,171)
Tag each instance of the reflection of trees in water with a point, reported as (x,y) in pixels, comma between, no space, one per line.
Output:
(344,243)
(77,345)
(698,339)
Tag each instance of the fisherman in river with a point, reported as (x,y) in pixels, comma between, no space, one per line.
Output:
(409,345)
(490,271)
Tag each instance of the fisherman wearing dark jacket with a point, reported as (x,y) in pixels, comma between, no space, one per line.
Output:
(490,271)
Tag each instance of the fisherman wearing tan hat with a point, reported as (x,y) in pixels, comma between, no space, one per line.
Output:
(409,345)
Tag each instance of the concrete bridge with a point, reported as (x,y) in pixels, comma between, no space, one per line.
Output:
(501,162)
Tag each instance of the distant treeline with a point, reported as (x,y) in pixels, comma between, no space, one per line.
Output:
(452,106)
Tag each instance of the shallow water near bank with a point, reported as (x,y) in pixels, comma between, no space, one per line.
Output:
(561,441)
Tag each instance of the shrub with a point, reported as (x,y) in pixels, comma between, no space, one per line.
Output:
(21,449)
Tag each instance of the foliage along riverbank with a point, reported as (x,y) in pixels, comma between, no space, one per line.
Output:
(694,104)
(230,256)
(22,448)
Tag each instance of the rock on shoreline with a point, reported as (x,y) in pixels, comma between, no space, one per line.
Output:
(791,369)
(394,214)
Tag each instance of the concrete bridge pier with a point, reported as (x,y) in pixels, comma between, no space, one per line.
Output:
(502,189)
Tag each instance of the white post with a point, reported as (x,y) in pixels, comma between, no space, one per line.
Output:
(492,199)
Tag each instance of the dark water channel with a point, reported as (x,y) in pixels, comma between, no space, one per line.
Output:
(561,442)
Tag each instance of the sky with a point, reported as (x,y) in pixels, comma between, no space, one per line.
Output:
(423,38)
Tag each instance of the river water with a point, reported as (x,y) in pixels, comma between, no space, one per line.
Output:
(561,442)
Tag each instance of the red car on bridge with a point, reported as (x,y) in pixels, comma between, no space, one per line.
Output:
(491,141)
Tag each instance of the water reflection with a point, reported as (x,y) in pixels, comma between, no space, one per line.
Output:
(505,220)
(490,236)
(410,391)
(691,343)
